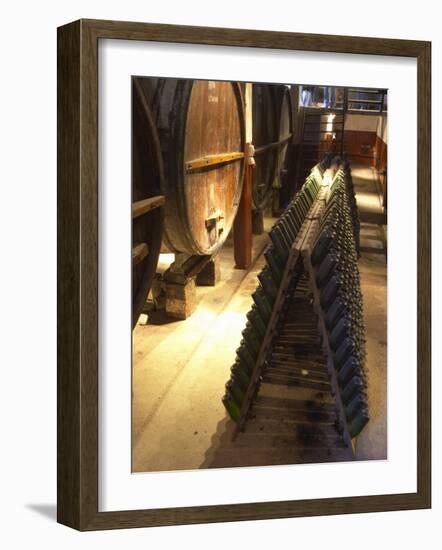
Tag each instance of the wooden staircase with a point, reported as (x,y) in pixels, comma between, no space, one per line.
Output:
(322,129)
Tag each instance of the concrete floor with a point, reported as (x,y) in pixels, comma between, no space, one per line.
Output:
(180,367)
(372,442)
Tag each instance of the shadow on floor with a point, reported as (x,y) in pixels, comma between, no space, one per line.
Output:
(254,448)
(160,317)
(49,511)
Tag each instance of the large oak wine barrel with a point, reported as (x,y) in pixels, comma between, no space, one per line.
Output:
(272,130)
(147,200)
(285,126)
(265,133)
(201,129)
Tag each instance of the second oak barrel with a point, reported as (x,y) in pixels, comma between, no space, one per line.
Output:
(272,130)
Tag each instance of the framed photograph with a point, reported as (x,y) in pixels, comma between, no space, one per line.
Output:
(243,329)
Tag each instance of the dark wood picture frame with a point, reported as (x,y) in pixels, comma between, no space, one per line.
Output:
(77,225)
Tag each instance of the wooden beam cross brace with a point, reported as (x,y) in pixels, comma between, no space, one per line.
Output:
(146,205)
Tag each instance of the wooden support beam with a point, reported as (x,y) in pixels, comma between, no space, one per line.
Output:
(186,267)
(213,160)
(242,228)
(273,145)
(139,252)
(142,207)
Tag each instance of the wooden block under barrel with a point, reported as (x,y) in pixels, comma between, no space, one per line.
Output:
(210,275)
(180,299)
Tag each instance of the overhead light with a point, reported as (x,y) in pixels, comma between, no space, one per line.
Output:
(330,118)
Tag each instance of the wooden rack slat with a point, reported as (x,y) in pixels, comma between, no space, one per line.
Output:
(272,145)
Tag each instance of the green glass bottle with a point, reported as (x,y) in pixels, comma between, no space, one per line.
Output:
(232,407)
